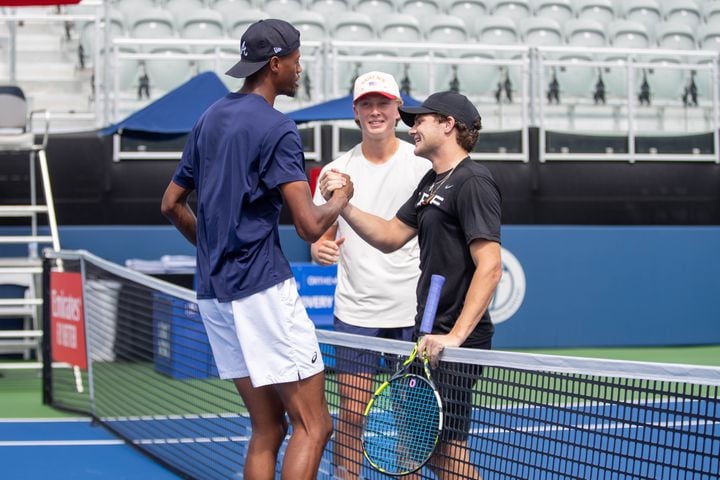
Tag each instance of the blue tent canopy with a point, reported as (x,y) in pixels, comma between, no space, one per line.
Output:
(176,112)
(337,109)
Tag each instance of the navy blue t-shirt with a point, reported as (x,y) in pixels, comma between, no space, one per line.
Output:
(236,157)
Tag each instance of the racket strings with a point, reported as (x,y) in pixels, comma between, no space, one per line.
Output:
(402,426)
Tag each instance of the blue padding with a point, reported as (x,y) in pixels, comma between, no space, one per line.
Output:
(316,285)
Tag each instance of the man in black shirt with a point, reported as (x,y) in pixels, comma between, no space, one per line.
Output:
(455,212)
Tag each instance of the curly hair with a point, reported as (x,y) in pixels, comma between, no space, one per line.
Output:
(466,136)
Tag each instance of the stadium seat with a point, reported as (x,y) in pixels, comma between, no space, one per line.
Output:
(579,81)
(228,8)
(168,73)
(675,36)
(576,81)
(374,8)
(646,12)
(467,9)
(327,8)
(382,60)
(352,26)
(629,34)
(598,10)
(399,27)
(513,9)
(126,69)
(238,21)
(419,74)
(682,11)
(445,29)
(479,79)
(623,34)
(666,83)
(496,30)
(585,33)
(311,25)
(708,36)
(203,23)
(711,12)
(130,8)
(559,10)
(281,8)
(87,31)
(179,8)
(540,31)
(420,9)
(154,23)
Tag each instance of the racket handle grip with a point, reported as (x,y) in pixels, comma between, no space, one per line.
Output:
(431,304)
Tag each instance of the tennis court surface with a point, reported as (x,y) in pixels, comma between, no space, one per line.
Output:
(149,378)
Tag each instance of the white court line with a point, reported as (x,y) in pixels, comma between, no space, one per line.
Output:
(60,443)
(591,426)
(46,420)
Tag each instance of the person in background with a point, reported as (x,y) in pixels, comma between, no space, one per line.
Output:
(375,293)
(245,159)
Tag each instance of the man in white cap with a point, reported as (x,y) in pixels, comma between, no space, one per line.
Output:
(375,293)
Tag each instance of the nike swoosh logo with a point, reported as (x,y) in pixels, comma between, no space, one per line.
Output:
(448,187)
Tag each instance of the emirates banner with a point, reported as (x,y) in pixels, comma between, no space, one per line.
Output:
(67,319)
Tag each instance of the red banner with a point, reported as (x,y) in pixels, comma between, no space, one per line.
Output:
(67,319)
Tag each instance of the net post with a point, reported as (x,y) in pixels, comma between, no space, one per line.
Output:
(76,373)
(47,393)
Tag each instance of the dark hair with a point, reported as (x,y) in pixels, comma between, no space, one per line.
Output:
(466,136)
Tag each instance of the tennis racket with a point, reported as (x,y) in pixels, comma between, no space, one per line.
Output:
(404,417)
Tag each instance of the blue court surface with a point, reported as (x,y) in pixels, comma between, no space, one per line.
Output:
(589,441)
(593,441)
(42,449)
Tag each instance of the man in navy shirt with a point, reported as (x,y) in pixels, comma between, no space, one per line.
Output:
(244,158)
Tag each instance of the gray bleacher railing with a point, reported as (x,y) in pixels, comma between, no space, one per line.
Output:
(323,60)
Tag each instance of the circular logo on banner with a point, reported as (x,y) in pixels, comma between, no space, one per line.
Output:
(510,292)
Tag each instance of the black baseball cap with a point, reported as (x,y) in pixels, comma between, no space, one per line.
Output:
(263,40)
(450,104)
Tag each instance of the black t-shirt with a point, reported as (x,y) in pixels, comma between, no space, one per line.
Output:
(465,207)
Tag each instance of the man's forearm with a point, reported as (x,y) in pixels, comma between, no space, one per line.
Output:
(185,221)
(375,230)
(477,300)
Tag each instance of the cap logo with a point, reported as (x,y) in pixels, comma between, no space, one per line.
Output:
(277,49)
(243,50)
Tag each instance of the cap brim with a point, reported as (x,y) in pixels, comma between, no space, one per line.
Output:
(408,114)
(384,94)
(245,69)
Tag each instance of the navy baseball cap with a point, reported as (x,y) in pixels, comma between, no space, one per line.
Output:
(450,104)
(263,40)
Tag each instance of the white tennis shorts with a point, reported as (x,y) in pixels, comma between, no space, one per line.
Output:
(267,336)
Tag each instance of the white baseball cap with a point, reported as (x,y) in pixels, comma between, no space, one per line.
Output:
(376,82)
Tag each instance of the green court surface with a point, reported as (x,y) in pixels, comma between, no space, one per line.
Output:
(21,390)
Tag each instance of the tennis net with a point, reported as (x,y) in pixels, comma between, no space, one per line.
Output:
(150,379)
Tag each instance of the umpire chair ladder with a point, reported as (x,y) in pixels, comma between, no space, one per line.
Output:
(21,276)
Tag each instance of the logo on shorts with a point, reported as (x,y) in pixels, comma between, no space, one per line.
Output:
(510,292)
(314,357)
